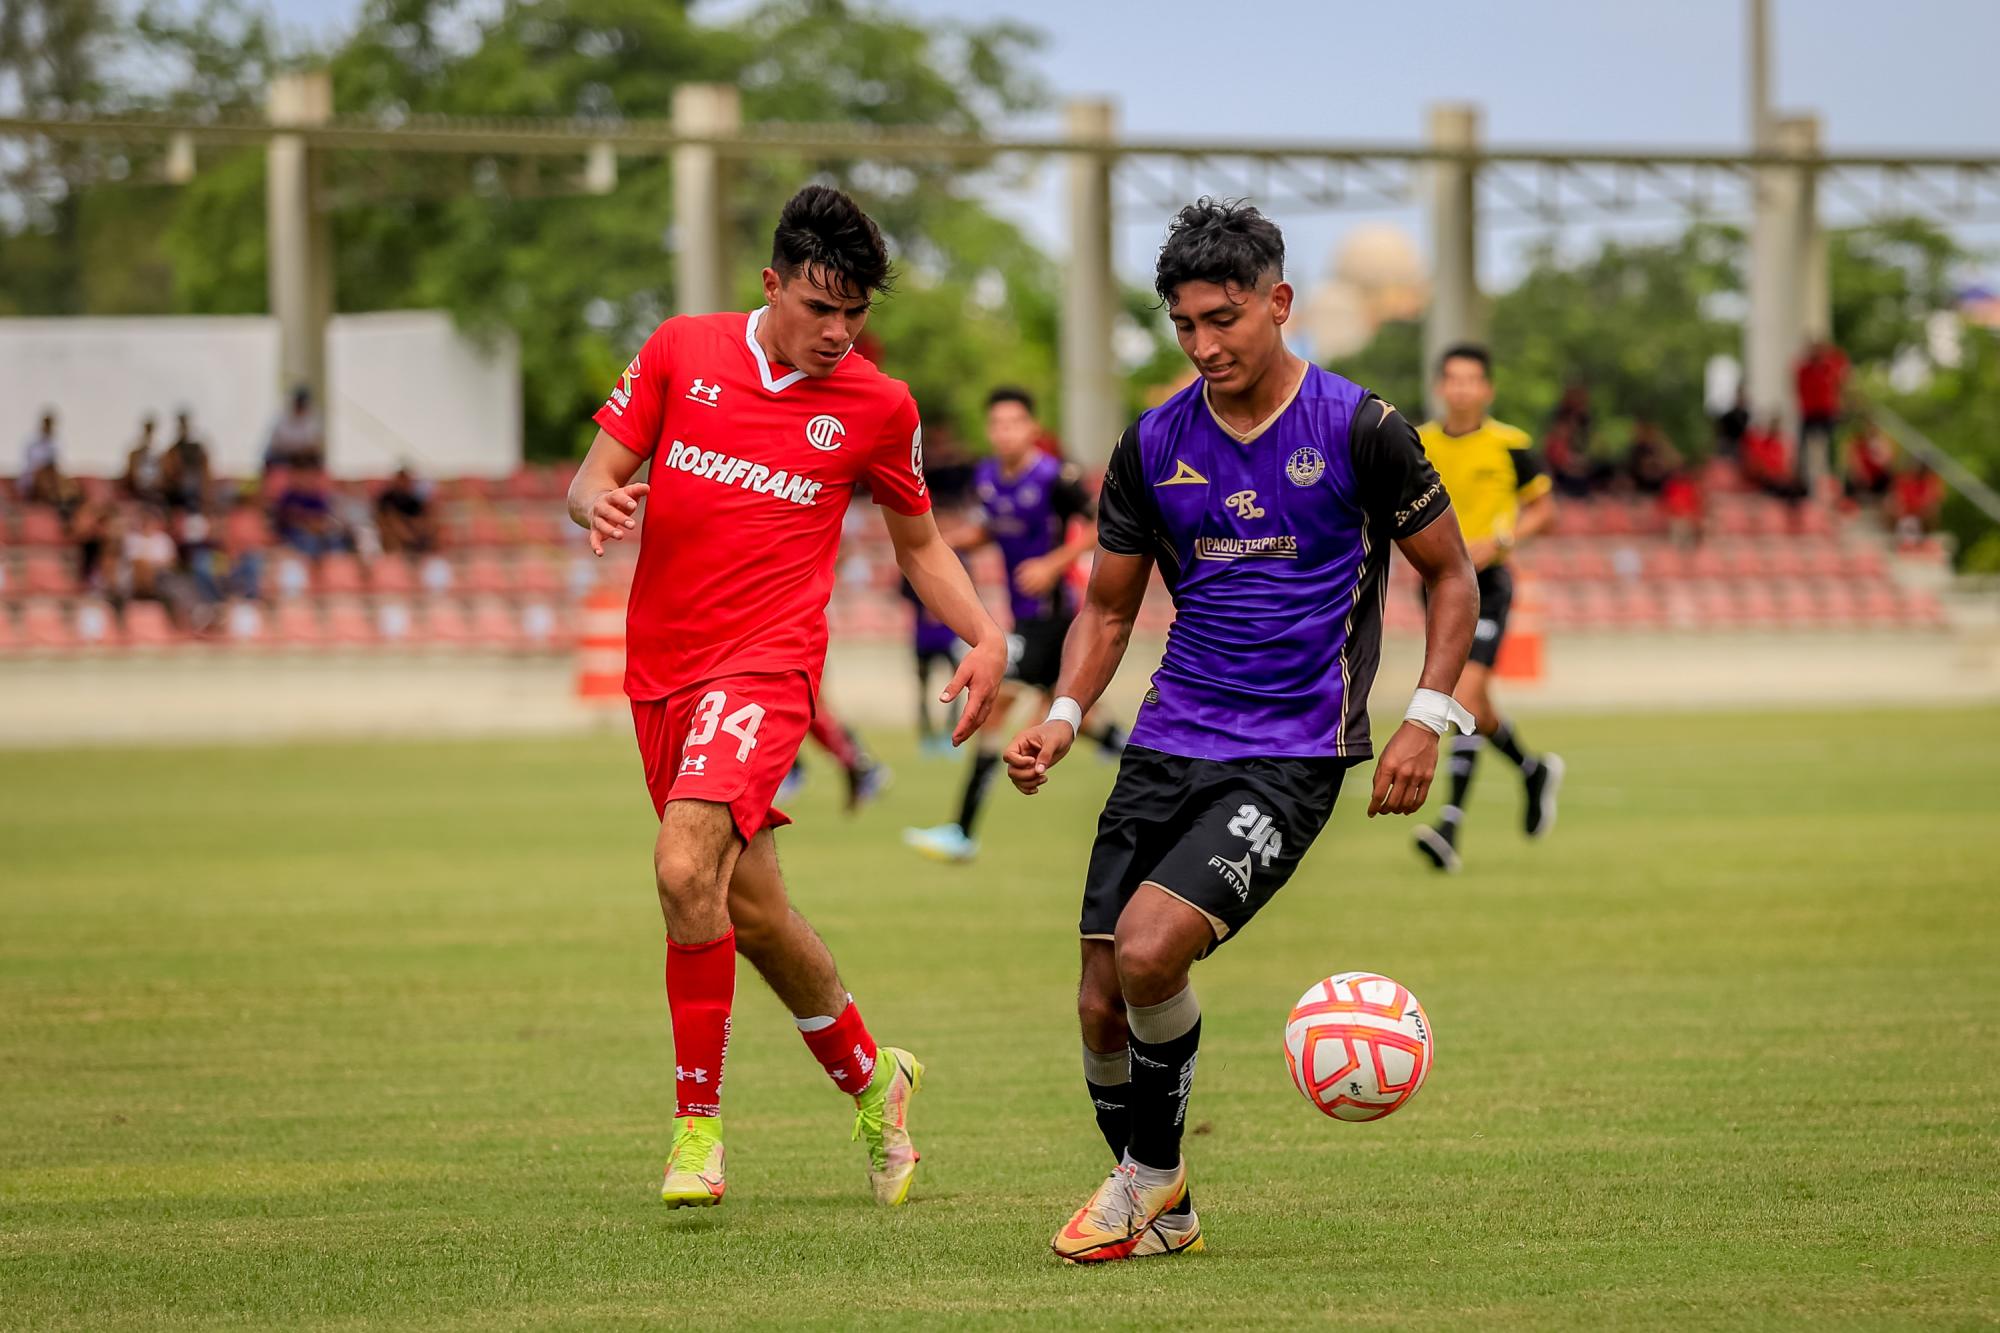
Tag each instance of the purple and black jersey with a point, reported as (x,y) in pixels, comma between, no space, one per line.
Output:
(1027,516)
(1276,551)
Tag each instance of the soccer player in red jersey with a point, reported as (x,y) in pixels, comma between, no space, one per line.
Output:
(758,428)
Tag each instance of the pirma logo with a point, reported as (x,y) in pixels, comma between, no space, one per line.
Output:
(824,433)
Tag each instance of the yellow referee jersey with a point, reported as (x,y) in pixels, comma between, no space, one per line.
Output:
(1488,473)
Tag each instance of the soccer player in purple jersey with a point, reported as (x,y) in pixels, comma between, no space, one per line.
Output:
(1268,493)
(1034,508)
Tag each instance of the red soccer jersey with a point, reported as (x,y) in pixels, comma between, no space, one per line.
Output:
(752,471)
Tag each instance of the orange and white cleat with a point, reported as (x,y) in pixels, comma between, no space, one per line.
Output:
(1119,1216)
(694,1164)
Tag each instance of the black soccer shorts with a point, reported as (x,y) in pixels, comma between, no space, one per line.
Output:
(1496,599)
(1222,835)
(1034,651)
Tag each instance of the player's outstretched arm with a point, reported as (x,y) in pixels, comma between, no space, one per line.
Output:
(1403,774)
(603,498)
(1092,651)
(939,579)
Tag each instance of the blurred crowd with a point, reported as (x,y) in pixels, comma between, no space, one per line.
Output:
(1838,453)
(169,530)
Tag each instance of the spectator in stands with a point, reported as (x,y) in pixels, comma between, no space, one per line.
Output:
(1566,444)
(1650,458)
(153,566)
(201,560)
(144,467)
(99,532)
(40,479)
(246,536)
(405,517)
(307,520)
(297,439)
(1685,507)
(1914,501)
(184,470)
(1870,464)
(1767,462)
(1821,377)
(1731,427)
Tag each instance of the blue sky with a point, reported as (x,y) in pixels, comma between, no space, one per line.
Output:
(1917,74)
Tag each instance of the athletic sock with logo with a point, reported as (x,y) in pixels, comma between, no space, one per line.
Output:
(843,1046)
(1108,1075)
(984,763)
(1165,1040)
(701,987)
(1504,740)
(1464,756)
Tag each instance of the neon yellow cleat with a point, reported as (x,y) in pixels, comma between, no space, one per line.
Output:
(882,1124)
(694,1164)
(1117,1217)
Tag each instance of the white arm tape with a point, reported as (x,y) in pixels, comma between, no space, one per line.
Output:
(1438,712)
(1067,710)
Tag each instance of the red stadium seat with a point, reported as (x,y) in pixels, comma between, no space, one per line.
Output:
(43,625)
(10,638)
(348,623)
(391,576)
(147,626)
(535,576)
(41,526)
(444,622)
(494,625)
(484,573)
(47,574)
(299,625)
(340,574)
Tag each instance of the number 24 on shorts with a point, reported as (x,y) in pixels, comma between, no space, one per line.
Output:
(742,724)
(1264,838)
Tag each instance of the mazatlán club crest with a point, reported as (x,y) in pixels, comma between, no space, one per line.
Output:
(1306,466)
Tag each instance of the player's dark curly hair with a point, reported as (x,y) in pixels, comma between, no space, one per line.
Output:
(1467,352)
(1010,393)
(822,227)
(1226,242)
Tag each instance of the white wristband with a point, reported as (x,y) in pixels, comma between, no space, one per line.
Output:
(1437,712)
(1066,709)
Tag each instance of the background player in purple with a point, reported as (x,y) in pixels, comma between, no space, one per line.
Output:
(1032,506)
(1269,493)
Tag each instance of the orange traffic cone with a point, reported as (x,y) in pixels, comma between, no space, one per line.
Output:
(1521,651)
(600,649)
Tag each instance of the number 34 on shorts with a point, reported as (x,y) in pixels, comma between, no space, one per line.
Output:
(729,740)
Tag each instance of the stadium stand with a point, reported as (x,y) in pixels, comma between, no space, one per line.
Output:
(512,573)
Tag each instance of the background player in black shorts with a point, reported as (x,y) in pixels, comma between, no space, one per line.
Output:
(1269,494)
(1502,497)
(1034,508)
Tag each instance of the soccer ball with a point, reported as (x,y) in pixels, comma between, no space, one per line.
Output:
(1358,1045)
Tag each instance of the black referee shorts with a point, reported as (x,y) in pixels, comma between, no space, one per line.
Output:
(1034,651)
(1496,599)
(1222,835)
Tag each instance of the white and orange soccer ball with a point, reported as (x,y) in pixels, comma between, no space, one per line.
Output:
(1358,1045)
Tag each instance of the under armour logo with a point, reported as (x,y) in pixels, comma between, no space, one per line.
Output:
(1245,504)
(704,393)
(696,764)
(683,1074)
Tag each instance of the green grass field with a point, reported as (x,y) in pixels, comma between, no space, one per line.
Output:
(373,1036)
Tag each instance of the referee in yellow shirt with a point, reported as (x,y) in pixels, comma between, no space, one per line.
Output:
(1502,497)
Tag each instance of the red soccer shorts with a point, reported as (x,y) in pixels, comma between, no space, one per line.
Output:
(730,741)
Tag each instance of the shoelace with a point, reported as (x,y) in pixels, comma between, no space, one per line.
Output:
(1123,1205)
(681,1144)
(868,1119)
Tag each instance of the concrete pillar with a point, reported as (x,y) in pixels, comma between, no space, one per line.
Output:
(1789,296)
(1090,397)
(701,222)
(299,258)
(1456,313)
